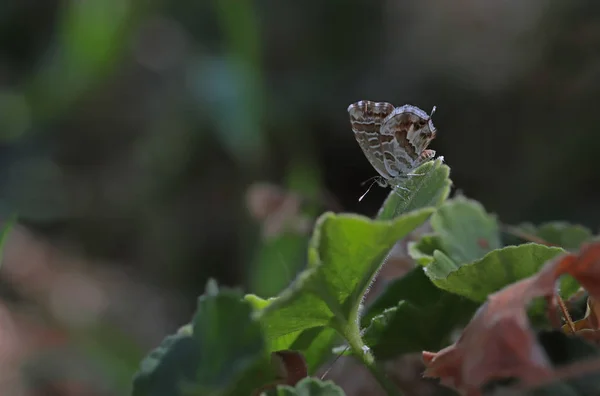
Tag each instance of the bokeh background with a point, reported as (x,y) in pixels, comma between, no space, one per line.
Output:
(149,145)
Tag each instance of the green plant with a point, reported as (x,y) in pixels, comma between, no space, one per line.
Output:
(227,349)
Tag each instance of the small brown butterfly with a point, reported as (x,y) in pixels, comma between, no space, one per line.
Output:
(394,140)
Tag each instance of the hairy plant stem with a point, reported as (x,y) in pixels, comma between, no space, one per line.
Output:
(352,335)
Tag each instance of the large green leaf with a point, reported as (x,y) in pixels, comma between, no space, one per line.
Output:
(308,387)
(464,254)
(428,188)
(422,250)
(345,253)
(464,231)
(413,315)
(559,233)
(222,353)
(166,368)
(314,343)
(499,268)
(276,263)
(229,340)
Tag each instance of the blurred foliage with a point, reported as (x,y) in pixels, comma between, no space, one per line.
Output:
(133,128)
(130,131)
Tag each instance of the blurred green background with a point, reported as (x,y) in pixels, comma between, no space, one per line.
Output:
(133,135)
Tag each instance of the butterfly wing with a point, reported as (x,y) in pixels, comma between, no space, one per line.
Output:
(366,118)
(399,152)
(425,156)
(409,131)
(423,131)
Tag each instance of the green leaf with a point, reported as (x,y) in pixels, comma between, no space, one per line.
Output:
(223,354)
(465,232)
(89,42)
(464,255)
(422,250)
(345,253)
(229,340)
(563,234)
(8,226)
(429,188)
(414,286)
(276,262)
(163,371)
(309,387)
(314,343)
(497,269)
(413,315)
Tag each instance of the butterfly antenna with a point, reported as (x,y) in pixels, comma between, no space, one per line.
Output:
(366,192)
(368,180)
(432,111)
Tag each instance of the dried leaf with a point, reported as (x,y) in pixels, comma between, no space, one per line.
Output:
(290,367)
(499,342)
(277,209)
(588,327)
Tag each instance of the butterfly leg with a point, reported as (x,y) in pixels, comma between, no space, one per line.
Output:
(398,187)
(398,191)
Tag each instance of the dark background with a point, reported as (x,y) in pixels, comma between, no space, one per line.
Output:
(131,132)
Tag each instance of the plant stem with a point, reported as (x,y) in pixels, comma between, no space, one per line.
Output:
(352,335)
(386,384)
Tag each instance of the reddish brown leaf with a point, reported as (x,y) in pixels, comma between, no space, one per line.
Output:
(592,314)
(290,367)
(277,209)
(588,327)
(499,342)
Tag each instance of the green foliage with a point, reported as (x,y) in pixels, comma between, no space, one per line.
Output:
(88,44)
(225,349)
(344,255)
(308,387)
(465,256)
(428,188)
(223,354)
(5,232)
(477,279)
(463,232)
(413,315)
(166,368)
(560,233)
(269,274)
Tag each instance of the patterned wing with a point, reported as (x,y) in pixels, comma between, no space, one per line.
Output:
(423,131)
(366,118)
(425,156)
(407,130)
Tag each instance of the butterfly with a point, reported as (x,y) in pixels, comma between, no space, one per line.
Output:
(394,139)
